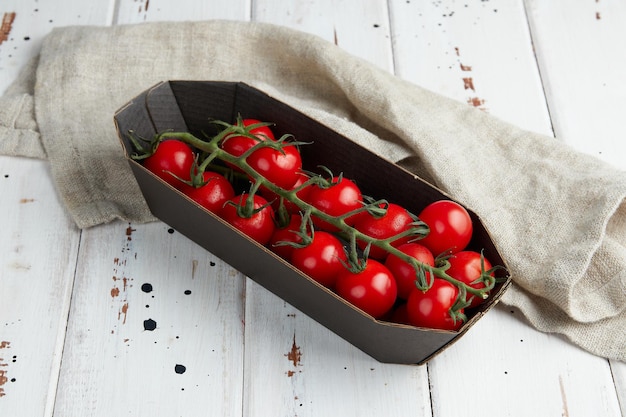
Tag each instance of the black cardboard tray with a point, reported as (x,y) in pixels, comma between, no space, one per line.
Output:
(188,106)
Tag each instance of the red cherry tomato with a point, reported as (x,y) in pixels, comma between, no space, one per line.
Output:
(280,167)
(396,220)
(450,227)
(171,159)
(431,308)
(286,234)
(400,314)
(322,259)
(340,198)
(466,267)
(404,272)
(258,226)
(213,194)
(237,145)
(373,289)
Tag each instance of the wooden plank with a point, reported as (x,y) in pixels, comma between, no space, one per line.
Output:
(580,54)
(528,373)
(287,356)
(294,366)
(451,48)
(338,22)
(619,378)
(497,74)
(153,317)
(38,253)
(137,11)
(37,256)
(26,22)
(183,340)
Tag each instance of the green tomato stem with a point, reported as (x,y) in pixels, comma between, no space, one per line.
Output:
(213,150)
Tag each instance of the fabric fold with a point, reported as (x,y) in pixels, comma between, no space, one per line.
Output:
(556,215)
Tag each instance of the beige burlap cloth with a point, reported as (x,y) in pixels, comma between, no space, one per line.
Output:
(557,216)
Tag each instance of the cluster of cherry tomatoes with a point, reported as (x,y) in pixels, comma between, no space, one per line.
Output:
(373,277)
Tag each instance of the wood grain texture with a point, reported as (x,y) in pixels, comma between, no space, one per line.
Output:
(581,70)
(82,335)
(149,323)
(33,20)
(37,258)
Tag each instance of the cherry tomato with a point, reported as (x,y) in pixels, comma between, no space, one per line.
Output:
(338,199)
(258,226)
(213,194)
(237,145)
(172,158)
(322,259)
(431,308)
(373,289)
(280,167)
(450,227)
(287,233)
(396,220)
(466,267)
(404,272)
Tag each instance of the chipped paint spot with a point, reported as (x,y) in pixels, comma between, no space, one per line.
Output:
(124,312)
(3,378)
(194,268)
(468,83)
(129,232)
(475,101)
(295,354)
(20,266)
(563,397)
(26,200)
(6,26)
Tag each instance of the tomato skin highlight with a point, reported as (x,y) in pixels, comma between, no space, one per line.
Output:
(322,259)
(172,158)
(373,290)
(341,198)
(237,145)
(431,308)
(403,272)
(213,194)
(259,226)
(450,227)
(280,167)
(396,220)
(466,267)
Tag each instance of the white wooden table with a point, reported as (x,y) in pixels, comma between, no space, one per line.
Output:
(75,335)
